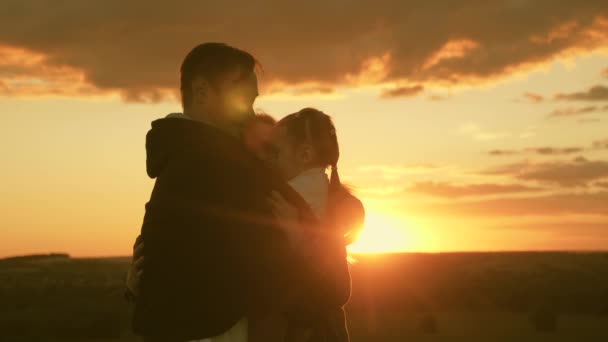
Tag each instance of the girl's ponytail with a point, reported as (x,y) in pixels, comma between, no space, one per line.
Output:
(333,154)
(334,179)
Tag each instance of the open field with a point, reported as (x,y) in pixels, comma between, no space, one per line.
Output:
(399,297)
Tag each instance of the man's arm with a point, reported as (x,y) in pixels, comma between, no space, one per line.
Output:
(235,233)
(320,248)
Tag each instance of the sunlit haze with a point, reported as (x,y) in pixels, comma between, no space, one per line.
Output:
(456,136)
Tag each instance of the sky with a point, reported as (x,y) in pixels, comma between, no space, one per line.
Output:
(463,125)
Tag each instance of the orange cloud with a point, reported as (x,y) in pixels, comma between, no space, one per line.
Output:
(560,32)
(116,46)
(442,189)
(24,72)
(308,89)
(451,50)
(28,73)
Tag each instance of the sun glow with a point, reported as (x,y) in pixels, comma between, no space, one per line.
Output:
(381,234)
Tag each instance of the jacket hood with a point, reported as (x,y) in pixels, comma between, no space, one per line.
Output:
(177,133)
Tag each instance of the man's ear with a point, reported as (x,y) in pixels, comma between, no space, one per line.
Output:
(200,89)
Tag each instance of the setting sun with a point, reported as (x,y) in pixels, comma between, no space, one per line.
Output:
(381,234)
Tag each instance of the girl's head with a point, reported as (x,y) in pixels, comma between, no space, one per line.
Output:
(257,132)
(305,140)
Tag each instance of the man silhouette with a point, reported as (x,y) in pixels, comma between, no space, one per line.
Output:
(213,253)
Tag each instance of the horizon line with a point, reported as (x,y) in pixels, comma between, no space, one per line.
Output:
(506,251)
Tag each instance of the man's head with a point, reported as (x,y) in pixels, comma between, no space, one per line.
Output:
(219,84)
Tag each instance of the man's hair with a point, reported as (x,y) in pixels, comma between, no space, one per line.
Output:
(211,61)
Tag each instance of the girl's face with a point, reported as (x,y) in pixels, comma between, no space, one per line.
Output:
(289,158)
(257,137)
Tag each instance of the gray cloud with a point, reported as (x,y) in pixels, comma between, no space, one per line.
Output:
(601,144)
(402,92)
(595,93)
(601,184)
(546,151)
(591,203)
(503,152)
(534,98)
(136,49)
(555,150)
(566,112)
(438,98)
(577,172)
(589,120)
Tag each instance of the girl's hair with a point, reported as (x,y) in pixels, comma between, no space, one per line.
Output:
(312,126)
(316,128)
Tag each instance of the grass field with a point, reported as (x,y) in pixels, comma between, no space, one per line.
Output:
(399,297)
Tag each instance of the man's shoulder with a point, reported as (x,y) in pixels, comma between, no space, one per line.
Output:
(203,168)
(223,174)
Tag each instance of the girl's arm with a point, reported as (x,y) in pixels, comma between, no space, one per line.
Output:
(136,269)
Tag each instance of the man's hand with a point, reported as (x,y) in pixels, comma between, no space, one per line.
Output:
(287,218)
(137,267)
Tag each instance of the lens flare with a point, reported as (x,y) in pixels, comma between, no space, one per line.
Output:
(381,234)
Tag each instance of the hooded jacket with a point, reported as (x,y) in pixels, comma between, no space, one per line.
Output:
(212,253)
